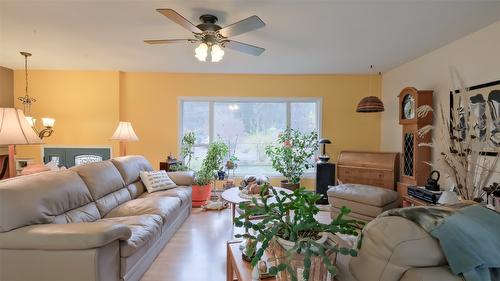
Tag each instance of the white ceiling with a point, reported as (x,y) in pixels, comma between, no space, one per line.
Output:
(300,37)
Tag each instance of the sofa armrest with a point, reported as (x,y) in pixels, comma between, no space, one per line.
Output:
(441,273)
(73,236)
(182,178)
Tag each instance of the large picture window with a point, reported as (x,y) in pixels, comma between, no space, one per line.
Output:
(246,125)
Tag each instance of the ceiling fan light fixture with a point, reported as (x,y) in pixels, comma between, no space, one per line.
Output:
(217,53)
(201,52)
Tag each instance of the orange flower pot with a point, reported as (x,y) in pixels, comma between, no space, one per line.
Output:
(201,194)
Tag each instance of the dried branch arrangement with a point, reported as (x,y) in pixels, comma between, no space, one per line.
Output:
(461,151)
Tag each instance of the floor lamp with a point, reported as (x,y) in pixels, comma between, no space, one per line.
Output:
(124,133)
(15,129)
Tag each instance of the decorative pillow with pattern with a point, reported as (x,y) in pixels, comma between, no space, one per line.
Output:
(156,180)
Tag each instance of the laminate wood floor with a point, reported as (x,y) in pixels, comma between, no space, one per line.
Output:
(197,252)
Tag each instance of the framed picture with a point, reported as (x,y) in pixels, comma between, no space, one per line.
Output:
(484,102)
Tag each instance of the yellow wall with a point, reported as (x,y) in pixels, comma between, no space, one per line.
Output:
(88,105)
(150,102)
(84,104)
(6,87)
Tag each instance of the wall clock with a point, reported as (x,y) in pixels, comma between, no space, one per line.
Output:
(413,171)
(408,107)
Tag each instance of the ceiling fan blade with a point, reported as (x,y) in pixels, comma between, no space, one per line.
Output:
(178,19)
(245,48)
(246,25)
(168,41)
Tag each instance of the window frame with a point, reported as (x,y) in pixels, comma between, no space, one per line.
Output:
(214,99)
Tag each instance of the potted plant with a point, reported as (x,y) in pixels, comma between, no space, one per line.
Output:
(216,152)
(231,163)
(292,155)
(187,152)
(290,233)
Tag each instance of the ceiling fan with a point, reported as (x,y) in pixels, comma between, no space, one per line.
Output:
(212,37)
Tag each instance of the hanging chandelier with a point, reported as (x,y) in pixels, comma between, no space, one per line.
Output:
(27,101)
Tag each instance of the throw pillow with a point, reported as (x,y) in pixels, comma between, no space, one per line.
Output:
(52,165)
(156,180)
(34,169)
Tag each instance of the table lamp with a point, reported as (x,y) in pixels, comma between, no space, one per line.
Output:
(15,129)
(124,133)
(323,158)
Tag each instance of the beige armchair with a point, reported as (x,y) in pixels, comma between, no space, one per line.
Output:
(396,249)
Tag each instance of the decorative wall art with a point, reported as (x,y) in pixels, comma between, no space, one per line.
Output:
(484,114)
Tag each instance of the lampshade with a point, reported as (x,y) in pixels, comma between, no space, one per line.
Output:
(125,132)
(48,122)
(370,104)
(201,52)
(448,197)
(15,129)
(324,141)
(31,121)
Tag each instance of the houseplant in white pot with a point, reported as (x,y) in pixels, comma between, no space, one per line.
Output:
(292,154)
(290,234)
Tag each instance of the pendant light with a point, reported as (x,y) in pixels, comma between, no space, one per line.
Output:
(27,101)
(370,103)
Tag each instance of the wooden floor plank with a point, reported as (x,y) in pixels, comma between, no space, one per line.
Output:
(197,252)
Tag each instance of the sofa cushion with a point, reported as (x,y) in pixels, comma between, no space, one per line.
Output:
(441,273)
(85,213)
(360,208)
(40,198)
(101,178)
(105,184)
(165,207)
(113,199)
(182,178)
(365,194)
(136,189)
(145,230)
(181,192)
(130,166)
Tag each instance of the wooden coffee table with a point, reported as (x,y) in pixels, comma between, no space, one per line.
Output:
(232,196)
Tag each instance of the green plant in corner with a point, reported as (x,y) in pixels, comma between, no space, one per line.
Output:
(187,148)
(301,229)
(292,153)
(216,152)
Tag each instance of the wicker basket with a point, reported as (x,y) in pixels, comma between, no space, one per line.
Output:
(318,272)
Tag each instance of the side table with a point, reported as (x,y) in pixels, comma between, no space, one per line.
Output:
(410,201)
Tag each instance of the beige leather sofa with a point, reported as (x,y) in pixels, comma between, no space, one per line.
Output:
(91,222)
(395,249)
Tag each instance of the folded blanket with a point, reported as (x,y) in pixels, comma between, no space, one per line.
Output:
(469,235)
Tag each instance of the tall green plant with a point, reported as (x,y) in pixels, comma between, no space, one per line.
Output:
(292,153)
(187,148)
(217,150)
(291,217)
